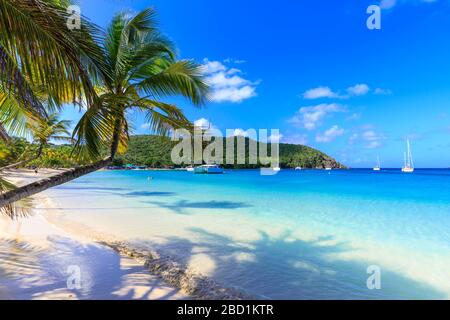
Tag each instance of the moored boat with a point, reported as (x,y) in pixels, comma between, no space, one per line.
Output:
(378,166)
(208,169)
(408,166)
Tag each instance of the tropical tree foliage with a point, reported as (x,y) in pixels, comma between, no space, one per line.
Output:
(141,70)
(43,131)
(132,68)
(37,49)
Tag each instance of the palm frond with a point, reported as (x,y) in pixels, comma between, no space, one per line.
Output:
(93,131)
(175,78)
(163,117)
(15,84)
(35,35)
(14,210)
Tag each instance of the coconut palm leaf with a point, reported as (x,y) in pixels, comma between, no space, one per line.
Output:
(167,78)
(17,209)
(141,71)
(35,33)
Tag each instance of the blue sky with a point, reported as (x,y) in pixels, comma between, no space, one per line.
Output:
(313,70)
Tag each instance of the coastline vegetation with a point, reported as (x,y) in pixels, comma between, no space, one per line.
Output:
(154,152)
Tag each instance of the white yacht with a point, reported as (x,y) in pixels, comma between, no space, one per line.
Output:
(328,169)
(208,169)
(190,169)
(408,165)
(298,168)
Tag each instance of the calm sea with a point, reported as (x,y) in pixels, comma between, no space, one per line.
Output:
(295,235)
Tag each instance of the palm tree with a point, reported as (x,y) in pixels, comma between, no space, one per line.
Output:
(38,50)
(43,132)
(141,69)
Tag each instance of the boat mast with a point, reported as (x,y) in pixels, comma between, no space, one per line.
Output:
(410,160)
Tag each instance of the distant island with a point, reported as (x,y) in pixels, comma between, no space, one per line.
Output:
(154,151)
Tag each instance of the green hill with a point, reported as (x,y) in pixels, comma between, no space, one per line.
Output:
(154,151)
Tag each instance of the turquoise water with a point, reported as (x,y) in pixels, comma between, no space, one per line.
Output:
(294,235)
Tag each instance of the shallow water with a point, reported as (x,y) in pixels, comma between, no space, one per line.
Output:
(295,235)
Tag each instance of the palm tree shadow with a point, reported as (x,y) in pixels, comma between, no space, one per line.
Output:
(36,272)
(149,194)
(180,206)
(287,268)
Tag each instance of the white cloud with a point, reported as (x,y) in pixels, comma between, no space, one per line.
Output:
(145,126)
(358,89)
(227,84)
(240,133)
(213,66)
(354,116)
(382,91)
(370,138)
(224,80)
(389,4)
(374,144)
(310,117)
(296,139)
(234,95)
(373,139)
(330,134)
(275,138)
(370,135)
(235,61)
(319,92)
(325,92)
(203,123)
(353,138)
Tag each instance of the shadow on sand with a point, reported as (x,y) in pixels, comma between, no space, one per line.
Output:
(30,272)
(180,206)
(286,268)
(96,191)
(149,194)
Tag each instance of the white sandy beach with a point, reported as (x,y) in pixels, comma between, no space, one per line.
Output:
(38,261)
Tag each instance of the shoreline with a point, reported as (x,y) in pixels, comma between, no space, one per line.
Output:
(163,273)
(200,233)
(173,273)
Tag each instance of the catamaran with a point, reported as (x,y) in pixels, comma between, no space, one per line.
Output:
(378,166)
(408,161)
(208,169)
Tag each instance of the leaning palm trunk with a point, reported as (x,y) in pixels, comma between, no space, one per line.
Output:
(53,181)
(17,164)
(31,189)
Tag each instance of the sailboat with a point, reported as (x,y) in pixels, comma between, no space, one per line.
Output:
(378,166)
(408,161)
